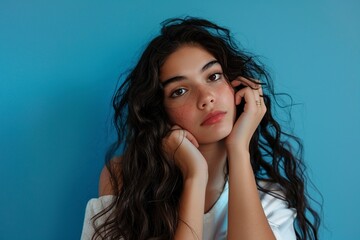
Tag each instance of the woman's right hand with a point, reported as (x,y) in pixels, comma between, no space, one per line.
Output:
(182,147)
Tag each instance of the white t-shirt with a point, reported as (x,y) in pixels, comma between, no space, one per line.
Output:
(280,217)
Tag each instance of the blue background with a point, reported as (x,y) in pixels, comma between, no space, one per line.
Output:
(59,66)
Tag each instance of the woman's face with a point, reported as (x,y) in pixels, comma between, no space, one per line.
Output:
(197,96)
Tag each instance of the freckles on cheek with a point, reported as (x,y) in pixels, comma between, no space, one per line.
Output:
(177,116)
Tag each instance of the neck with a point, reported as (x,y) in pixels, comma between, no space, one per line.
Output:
(215,155)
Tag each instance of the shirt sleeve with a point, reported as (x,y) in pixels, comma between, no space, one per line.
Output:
(93,207)
(280,217)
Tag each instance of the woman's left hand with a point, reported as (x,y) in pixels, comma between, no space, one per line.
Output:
(249,120)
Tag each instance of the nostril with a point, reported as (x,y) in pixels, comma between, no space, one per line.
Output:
(206,102)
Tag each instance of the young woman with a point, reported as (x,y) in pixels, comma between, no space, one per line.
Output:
(202,155)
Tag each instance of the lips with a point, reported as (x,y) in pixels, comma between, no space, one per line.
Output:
(213,117)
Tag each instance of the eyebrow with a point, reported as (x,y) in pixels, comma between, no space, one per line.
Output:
(180,78)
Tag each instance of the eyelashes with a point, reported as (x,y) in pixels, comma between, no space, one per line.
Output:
(178,92)
(215,76)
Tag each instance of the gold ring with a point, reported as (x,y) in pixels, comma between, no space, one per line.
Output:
(258,103)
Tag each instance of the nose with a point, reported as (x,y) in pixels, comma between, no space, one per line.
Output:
(206,97)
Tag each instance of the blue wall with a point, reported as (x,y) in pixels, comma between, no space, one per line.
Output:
(59,64)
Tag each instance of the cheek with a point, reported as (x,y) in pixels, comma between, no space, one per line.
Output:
(229,100)
(229,92)
(177,115)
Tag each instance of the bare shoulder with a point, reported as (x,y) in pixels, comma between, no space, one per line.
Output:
(105,182)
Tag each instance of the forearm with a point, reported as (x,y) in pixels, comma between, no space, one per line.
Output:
(247,219)
(191,209)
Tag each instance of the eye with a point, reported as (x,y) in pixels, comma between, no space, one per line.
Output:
(178,92)
(215,76)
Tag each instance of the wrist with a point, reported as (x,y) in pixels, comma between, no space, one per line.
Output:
(243,145)
(238,149)
(196,180)
(196,170)
(238,154)
(198,173)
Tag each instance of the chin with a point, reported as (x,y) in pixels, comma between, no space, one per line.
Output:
(214,136)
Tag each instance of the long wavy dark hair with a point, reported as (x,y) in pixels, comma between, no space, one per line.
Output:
(147,186)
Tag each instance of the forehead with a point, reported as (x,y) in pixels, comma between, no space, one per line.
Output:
(185,60)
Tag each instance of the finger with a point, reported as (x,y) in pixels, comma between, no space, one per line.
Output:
(252,83)
(261,94)
(236,83)
(239,97)
(248,95)
(176,127)
(191,138)
(257,90)
(185,133)
(260,101)
(257,97)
